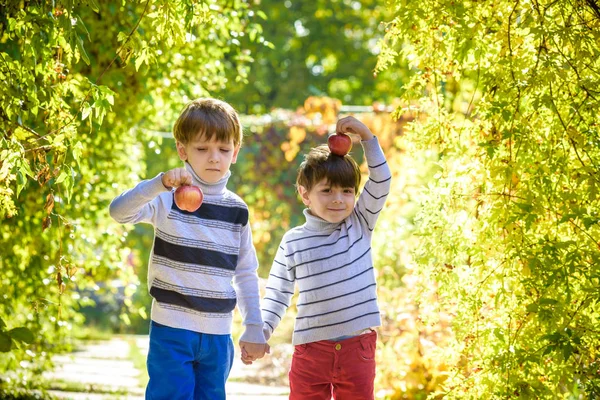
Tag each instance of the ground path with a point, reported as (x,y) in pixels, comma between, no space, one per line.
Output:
(103,370)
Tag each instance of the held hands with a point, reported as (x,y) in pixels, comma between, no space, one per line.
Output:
(253,351)
(352,125)
(176,177)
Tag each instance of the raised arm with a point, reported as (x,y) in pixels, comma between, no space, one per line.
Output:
(376,189)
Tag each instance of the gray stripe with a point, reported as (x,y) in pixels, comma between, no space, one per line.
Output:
(193,291)
(193,220)
(198,244)
(190,311)
(193,268)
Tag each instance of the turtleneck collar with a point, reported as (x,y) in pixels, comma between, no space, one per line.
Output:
(314,223)
(209,188)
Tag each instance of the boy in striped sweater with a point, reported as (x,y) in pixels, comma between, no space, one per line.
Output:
(329,259)
(202,262)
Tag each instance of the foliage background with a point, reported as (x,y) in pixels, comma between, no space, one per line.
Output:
(487,250)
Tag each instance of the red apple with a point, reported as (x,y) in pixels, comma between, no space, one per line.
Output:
(189,198)
(339,144)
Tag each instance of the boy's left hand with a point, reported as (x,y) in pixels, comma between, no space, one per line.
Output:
(253,351)
(352,125)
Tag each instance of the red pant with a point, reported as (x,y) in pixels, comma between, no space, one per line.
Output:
(344,369)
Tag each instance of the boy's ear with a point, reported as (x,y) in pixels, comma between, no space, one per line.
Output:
(304,195)
(181,151)
(235,154)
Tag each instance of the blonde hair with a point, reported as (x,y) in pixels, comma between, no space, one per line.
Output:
(210,118)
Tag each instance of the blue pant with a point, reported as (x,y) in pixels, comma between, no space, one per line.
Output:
(186,365)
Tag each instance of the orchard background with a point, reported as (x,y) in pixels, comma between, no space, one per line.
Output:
(487,253)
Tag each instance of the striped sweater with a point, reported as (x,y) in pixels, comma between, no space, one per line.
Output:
(332,266)
(202,263)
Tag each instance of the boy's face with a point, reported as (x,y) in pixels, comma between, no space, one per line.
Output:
(331,203)
(209,159)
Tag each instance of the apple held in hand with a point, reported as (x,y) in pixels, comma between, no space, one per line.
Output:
(189,198)
(339,144)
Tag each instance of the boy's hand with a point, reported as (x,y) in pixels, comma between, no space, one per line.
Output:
(176,177)
(352,125)
(253,351)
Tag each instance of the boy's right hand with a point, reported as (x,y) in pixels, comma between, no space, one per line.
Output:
(253,351)
(176,177)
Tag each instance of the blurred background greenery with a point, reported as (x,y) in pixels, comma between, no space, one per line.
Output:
(486,252)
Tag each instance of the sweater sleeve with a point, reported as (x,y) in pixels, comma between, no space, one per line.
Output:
(139,204)
(245,282)
(376,189)
(279,291)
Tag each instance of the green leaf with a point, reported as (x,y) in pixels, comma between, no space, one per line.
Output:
(21,334)
(86,111)
(77,150)
(5,342)
(261,14)
(532,308)
(81,48)
(94,5)
(62,176)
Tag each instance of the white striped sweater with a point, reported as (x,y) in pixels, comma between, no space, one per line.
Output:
(203,263)
(332,266)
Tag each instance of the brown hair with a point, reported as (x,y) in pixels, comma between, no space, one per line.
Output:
(210,118)
(320,163)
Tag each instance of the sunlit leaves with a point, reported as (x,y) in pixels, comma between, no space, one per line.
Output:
(506,87)
(70,108)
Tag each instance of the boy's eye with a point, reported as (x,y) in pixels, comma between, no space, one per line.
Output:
(350,191)
(201,148)
(225,150)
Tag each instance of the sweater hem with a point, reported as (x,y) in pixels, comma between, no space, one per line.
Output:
(331,332)
(192,320)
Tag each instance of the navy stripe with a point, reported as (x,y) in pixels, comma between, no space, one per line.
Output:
(287,280)
(275,261)
(203,304)
(335,283)
(331,256)
(315,236)
(385,180)
(376,198)
(316,247)
(335,269)
(278,290)
(267,322)
(276,301)
(233,215)
(378,165)
(272,312)
(340,309)
(336,297)
(374,212)
(192,255)
(337,323)
(366,221)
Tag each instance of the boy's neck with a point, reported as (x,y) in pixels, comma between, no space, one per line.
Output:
(314,223)
(218,187)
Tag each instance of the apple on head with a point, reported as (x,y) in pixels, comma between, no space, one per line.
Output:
(339,144)
(188,198)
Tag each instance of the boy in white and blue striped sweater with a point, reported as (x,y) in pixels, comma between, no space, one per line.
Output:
(329,259)
(202,264)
